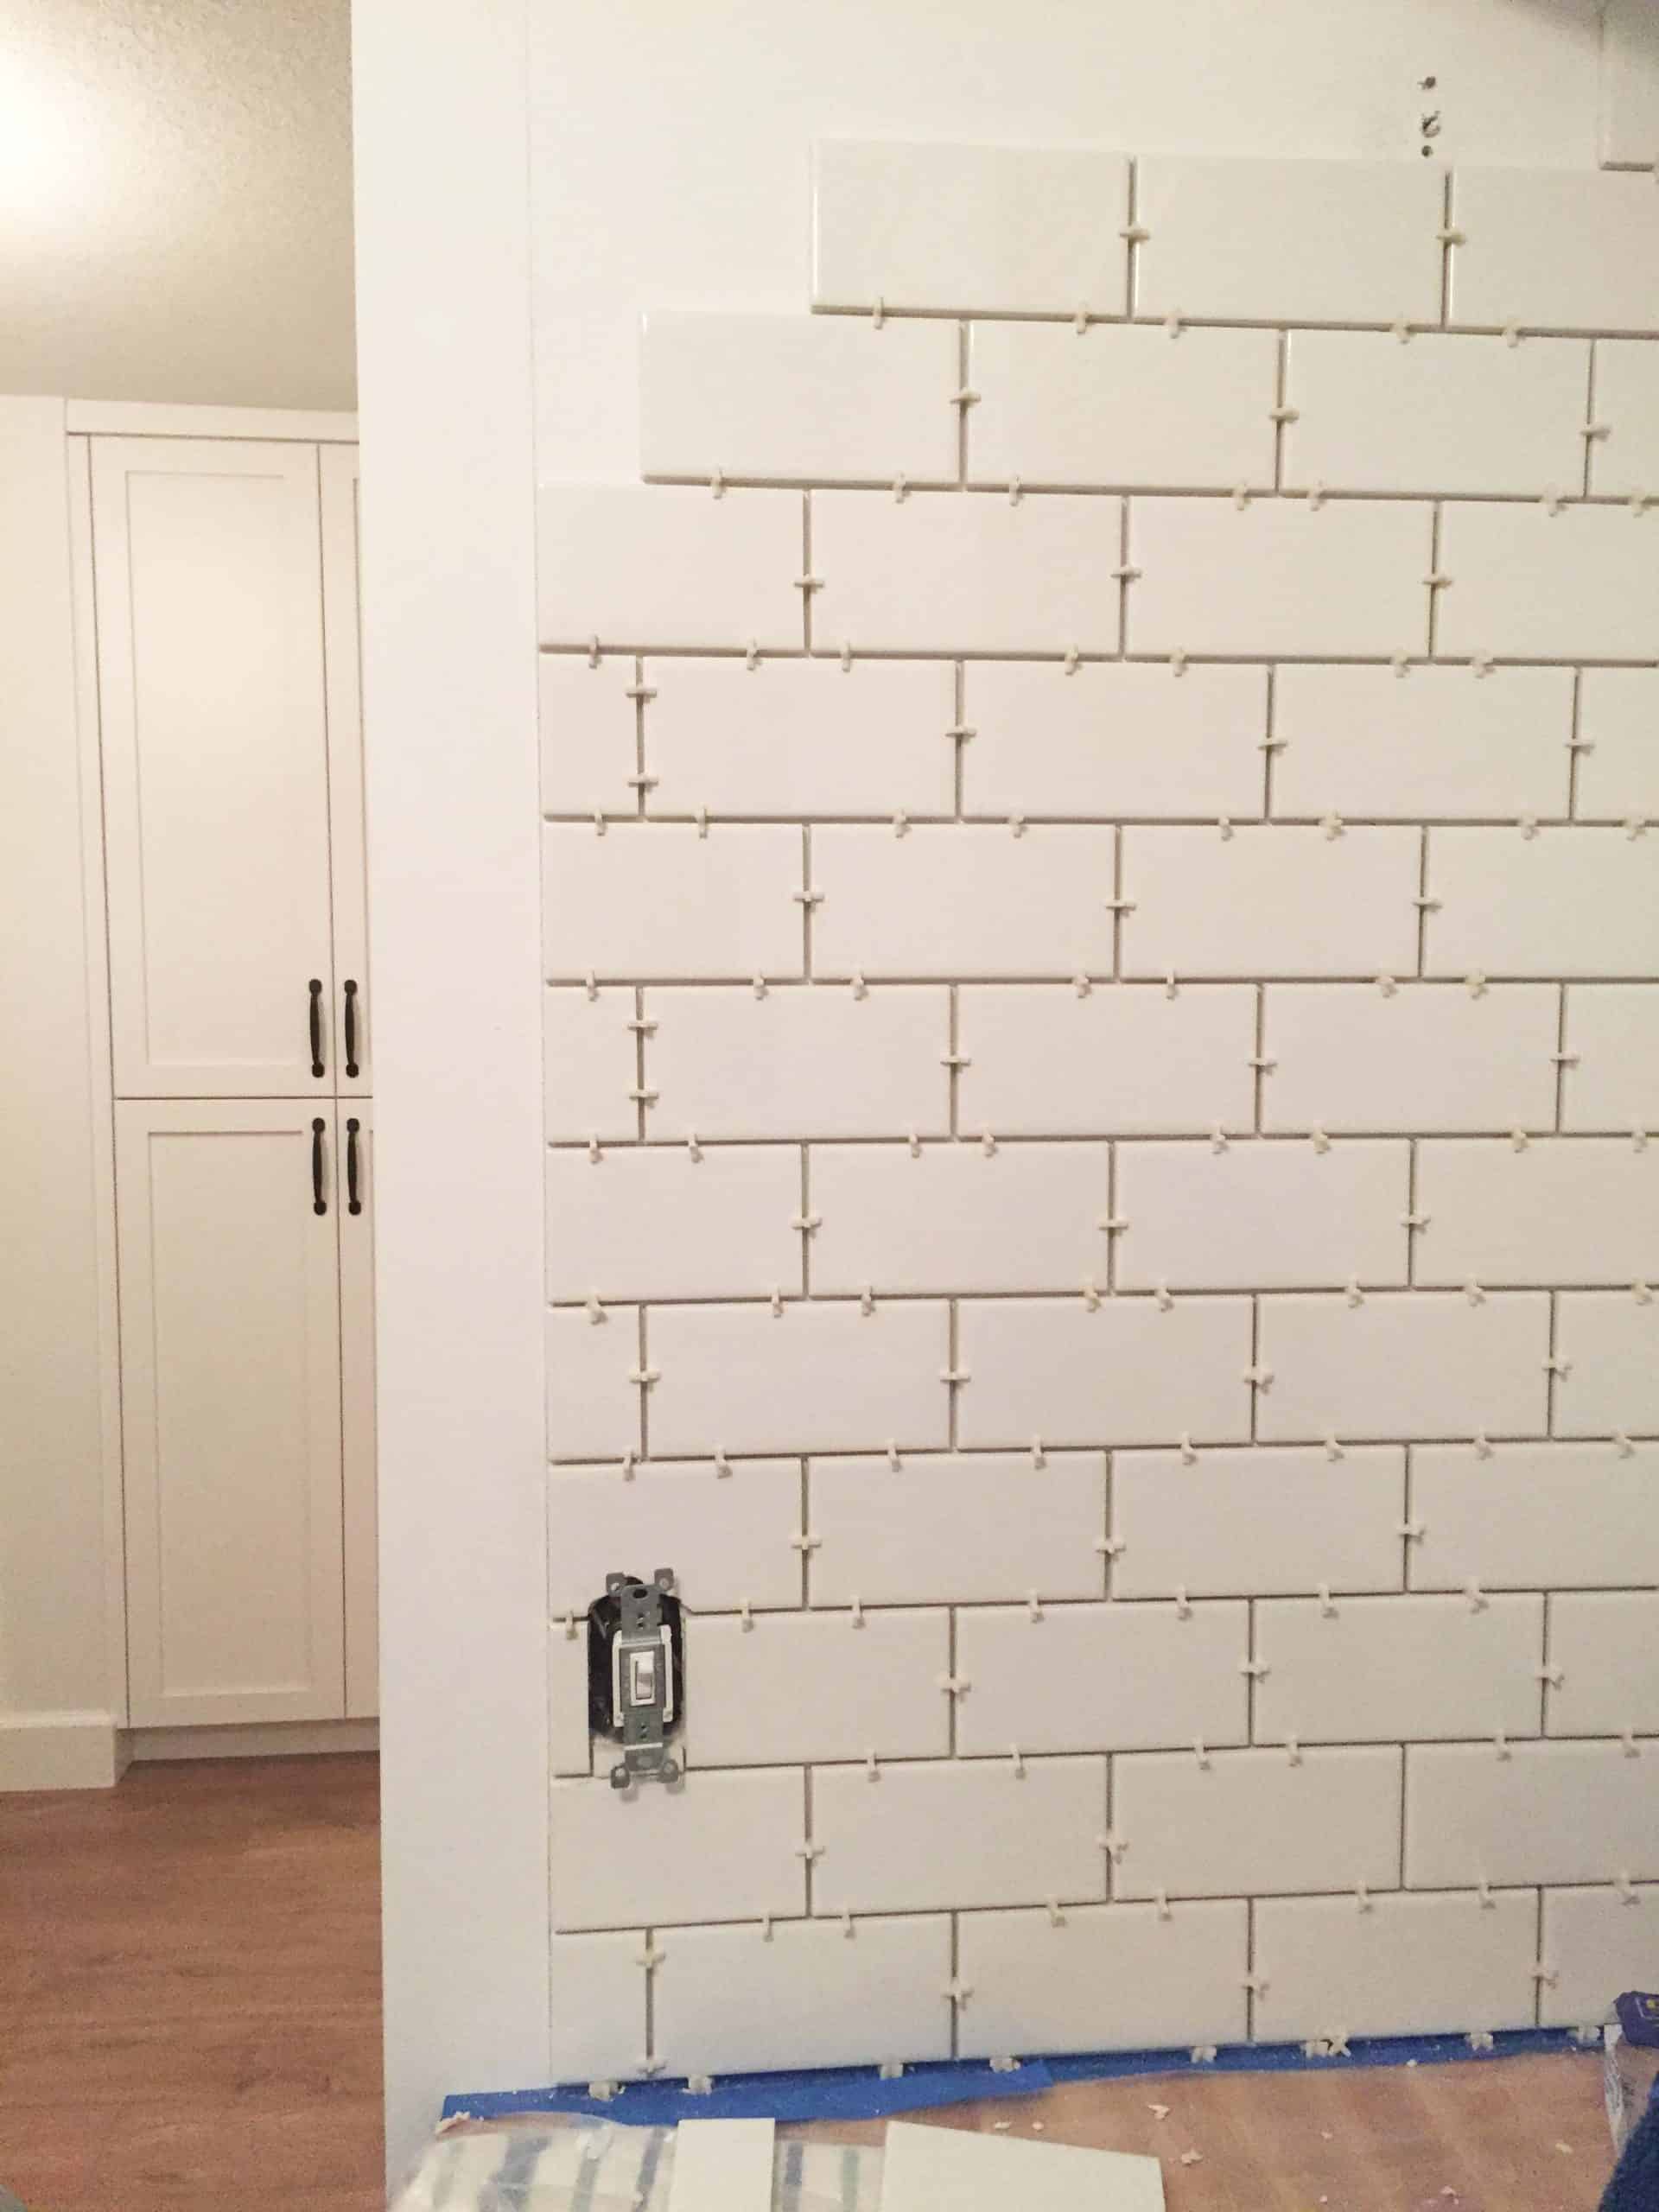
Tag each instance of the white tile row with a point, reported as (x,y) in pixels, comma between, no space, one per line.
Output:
(1114,739)
(670,1221)
(818,1062)
(1102,1977)
(969,1834)
(659,901)
(829,399)
(770,1688)
(830,1376)
(969,229)
(667,567)
(1255,1520)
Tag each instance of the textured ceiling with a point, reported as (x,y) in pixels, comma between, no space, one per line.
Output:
(175,201)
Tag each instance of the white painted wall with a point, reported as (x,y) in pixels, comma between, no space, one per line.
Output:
(175,202)
(669,161)
(56,1666)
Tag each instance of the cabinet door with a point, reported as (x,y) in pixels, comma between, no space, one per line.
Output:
(230,1340)
(357,1405)
(209,616)
(341,639)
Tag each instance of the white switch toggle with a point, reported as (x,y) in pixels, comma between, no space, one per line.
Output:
(642,1678)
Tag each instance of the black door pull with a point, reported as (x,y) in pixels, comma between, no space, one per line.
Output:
(315,989)
(351,1026)
(354,1204)
(319,1204)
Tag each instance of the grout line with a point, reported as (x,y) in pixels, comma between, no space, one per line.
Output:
(1561,1064)
(1589,417)
(1575,731)
(1132,258)
(826,654)
(1447,250)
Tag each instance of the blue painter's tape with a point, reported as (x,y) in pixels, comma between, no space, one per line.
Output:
(829,2093)
(860,2093)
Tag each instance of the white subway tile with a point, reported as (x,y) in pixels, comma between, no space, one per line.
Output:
(1114,1977)
(731,2000)
(636,564)
(1610,1341)
(953,1218)
(1576,585)
(589,1064)
(1604,1643)
(954,900)
(1251,1822)
(1566,1210)
(817,1062)
(716,1847)
(960,1529)
(1440,415)
(598,2024)
(1618,756)
(1118,404)
(1596,1943)
(1626,460)
(1386,1670)
(569,1746)
(1278,577)
(589,727)
(1436,1964)
(726,1536)
(1127,1059)
(1426,1056)
(654,899)
(1544,1813)
(1006,228)
(800,737)
(1437,743)
(1125,1373)
(1261,1214)
(955,571)
(813,1686)
(1106,1677)
(818,1377)
(1554,250)
(593,1402)
(957,1833)
(1535,1515)
(1405,1364)
(1612,1080)
(1112,738)
(1296,241)
(1565,902)
(1269,900)
(656,1223)
(1256,1521)
(819,397)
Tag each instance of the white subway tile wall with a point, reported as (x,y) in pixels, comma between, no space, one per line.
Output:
(1101,936)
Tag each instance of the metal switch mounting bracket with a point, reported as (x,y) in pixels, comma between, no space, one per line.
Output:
(636,1659)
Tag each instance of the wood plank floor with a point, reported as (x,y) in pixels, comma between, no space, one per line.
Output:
(189,2022)
(190,1990)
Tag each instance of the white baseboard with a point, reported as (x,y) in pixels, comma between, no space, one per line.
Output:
(61,1751)
(254,1739)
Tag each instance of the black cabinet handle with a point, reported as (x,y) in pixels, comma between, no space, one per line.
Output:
(351,1026)
(315,989)
(354,1204)
(319,1204)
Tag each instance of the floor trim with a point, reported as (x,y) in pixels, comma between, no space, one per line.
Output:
(61,1751)
(254,1739)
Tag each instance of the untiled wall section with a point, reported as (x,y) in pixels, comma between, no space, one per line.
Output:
(1102,1022)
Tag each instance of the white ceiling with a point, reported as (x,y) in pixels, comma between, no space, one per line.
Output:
(175,201)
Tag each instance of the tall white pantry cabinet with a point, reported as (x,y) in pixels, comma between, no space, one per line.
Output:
(222,576)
